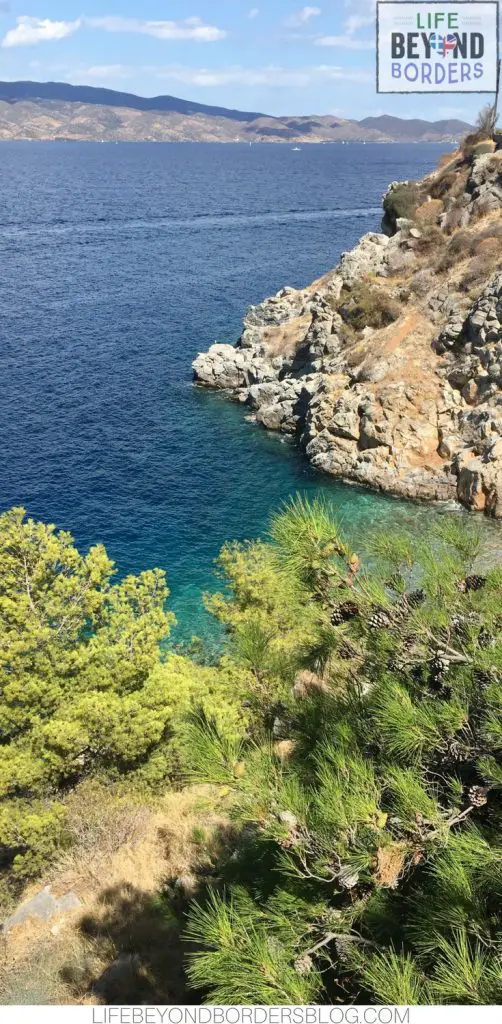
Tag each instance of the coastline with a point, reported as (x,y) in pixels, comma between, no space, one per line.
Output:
(403,398)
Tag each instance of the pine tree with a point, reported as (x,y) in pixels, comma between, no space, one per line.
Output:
(87,686)
(380,832)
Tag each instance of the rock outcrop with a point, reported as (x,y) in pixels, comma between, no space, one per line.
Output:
(388,370)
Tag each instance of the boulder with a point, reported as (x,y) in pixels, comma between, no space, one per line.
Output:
(222,366)
(480,481)
(42,907)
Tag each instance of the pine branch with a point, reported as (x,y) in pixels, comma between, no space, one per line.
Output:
(344,936)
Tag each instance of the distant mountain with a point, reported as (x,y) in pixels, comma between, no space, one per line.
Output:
(55,110)
(414,128)
(111,98)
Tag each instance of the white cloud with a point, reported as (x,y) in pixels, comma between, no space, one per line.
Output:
(346,42)
(190,28)
(301,17)
(29,31)
(362,7)
(356,21)
(270,76)
(363,17)
(105,71)
(449,112)
(253,13)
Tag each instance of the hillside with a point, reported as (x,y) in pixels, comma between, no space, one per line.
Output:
(414,129)
(387,371)
(50,110)
(61,91)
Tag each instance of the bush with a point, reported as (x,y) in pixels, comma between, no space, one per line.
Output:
(431,241)
(402,201)
(481,266)
(487,120)
(476,144)
(368,306)
(442,185)
(428,213)
(486,243)
(489,241)
(457,249)
(422,282)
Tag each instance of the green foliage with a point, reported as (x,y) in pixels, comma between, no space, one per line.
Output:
(402,201)
(248,953)
(365,305)
(394,978)
(353,723)
(84,687)
(213,755)
(380,827)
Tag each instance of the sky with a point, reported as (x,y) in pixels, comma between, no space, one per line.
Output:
(277,57)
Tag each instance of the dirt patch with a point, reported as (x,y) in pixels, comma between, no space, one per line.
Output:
(286,338)
(124,943)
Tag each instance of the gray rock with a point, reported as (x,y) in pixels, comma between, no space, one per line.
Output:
(273,416)
(42,907)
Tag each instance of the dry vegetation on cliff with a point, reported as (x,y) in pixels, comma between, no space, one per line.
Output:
(388,371)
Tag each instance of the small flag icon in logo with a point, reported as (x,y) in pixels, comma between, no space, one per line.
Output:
(443,44)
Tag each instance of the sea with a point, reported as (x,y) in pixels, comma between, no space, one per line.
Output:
(119,263)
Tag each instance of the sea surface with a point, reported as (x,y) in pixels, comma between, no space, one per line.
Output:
(119,263)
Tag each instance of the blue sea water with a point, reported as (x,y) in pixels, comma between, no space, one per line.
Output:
(118,264)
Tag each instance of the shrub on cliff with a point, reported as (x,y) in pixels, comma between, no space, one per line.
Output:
(481,266)
(486,243)
(370,857)
(486,120)
(368,306)
(458,248)
(402,201)
(431,242)
(477,143)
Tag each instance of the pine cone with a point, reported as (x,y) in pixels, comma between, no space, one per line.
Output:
(455,755)
(483,679)
(344,612)
(471,583)
(303,964)
(401,610)
(478,796)
(346,651)
(460,626)
(485,638)
(380,618)
(416,598)
(441,663)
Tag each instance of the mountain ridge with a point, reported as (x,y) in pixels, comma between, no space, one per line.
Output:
(97,96)
(47,111)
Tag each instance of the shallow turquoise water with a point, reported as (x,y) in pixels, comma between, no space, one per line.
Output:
(119,264)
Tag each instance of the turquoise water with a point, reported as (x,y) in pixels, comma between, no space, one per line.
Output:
(119,264)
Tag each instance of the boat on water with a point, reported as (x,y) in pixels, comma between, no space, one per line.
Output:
(296,149)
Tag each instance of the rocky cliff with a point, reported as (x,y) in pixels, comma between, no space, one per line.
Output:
(388,370)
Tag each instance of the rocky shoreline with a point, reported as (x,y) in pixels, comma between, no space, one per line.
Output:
(387,371)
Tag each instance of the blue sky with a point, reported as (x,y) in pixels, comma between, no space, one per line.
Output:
(275,56)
